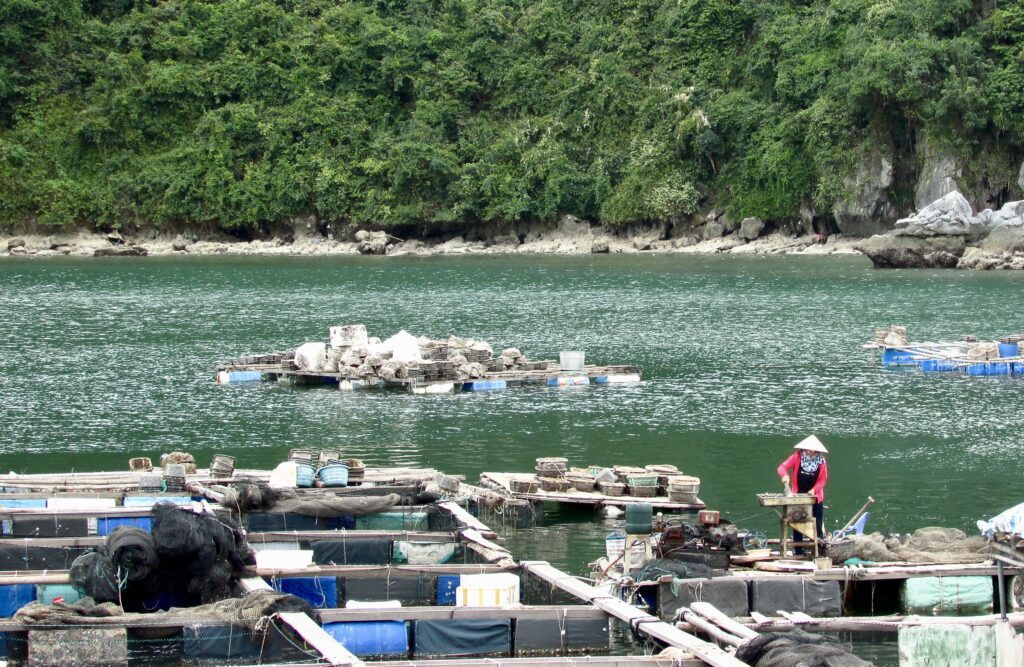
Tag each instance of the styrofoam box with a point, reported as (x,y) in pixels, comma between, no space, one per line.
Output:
(373,604)
(80,503)
(487,590)
(284,559)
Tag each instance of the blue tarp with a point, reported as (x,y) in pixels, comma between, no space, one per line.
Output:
(321,592)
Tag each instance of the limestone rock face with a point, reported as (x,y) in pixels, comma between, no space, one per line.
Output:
(939,177)
(713,230)
(913,252)
(751,228)
(121,251)
(371,243)
(870,211)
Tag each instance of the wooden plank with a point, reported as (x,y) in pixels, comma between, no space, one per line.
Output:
(880,572)
(343,534)
(716,616)
(317,637)
(551,612)
(466,519)
(493,553)
(566,661)
(641,621)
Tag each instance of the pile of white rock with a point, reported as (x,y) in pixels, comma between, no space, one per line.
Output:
(356,356)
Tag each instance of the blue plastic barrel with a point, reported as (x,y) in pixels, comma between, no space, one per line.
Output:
(334,474)
(371,638)
(938,366)
(14,597)
(896,358)
(304,474)
(991,368)
(1009,350)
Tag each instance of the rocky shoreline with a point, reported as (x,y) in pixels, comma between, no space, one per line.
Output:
(948,234)
(570,237)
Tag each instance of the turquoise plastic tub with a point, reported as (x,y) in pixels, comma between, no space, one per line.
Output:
(334,474)
(304,475)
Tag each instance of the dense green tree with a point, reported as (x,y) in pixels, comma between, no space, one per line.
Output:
(240,113)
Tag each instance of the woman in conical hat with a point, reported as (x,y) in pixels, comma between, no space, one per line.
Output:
(807,471)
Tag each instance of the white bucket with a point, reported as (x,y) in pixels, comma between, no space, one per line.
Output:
(614,545)
(571,360)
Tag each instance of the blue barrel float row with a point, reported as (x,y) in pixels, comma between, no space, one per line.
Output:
(1009,362)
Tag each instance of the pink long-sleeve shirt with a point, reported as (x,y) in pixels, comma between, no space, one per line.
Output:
(791,467)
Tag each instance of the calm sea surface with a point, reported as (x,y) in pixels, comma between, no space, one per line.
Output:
(104,360)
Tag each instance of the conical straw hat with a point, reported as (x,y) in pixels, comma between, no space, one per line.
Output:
(811,443)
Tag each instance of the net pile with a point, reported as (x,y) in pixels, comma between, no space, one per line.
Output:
(201,554)
(796,649)
(925,545)
(248,497)
(246,611)
(654,569)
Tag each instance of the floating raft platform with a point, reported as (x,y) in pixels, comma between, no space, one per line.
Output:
(552,377)
(501,482)
(1004,357)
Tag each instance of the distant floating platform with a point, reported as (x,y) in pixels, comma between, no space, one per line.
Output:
(552,377)
(501,482)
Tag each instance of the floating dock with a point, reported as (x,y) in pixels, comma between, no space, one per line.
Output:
(354,360)
(555,377)
(1004,357)
(502,483)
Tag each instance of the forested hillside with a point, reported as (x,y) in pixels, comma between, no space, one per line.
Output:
(420,113)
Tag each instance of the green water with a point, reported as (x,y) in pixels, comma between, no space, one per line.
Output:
(104,360)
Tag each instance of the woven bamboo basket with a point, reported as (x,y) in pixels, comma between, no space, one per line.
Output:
(554,485)
(581,482)
(643,491)
(614,489)
(524,486)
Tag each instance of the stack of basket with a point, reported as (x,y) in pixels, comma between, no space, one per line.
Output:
(334,472)
(552,466)
(664,471)
(554,484)
(356,471)
(304,469)
(642,485)
(683,489)
(150,483)
(174,477)
(222,466)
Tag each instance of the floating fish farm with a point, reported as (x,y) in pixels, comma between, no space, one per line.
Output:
(968,356)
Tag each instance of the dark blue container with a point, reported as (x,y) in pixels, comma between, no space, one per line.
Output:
(14,597)
(446,585)
(106,525)
(371,638)
(321,592)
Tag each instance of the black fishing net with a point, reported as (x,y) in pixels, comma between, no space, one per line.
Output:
(95,576)
(245,497)
(201,554)
(654,569)
(797,649)
(246,610)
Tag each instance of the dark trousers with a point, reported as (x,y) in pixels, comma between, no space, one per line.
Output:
(818,510)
